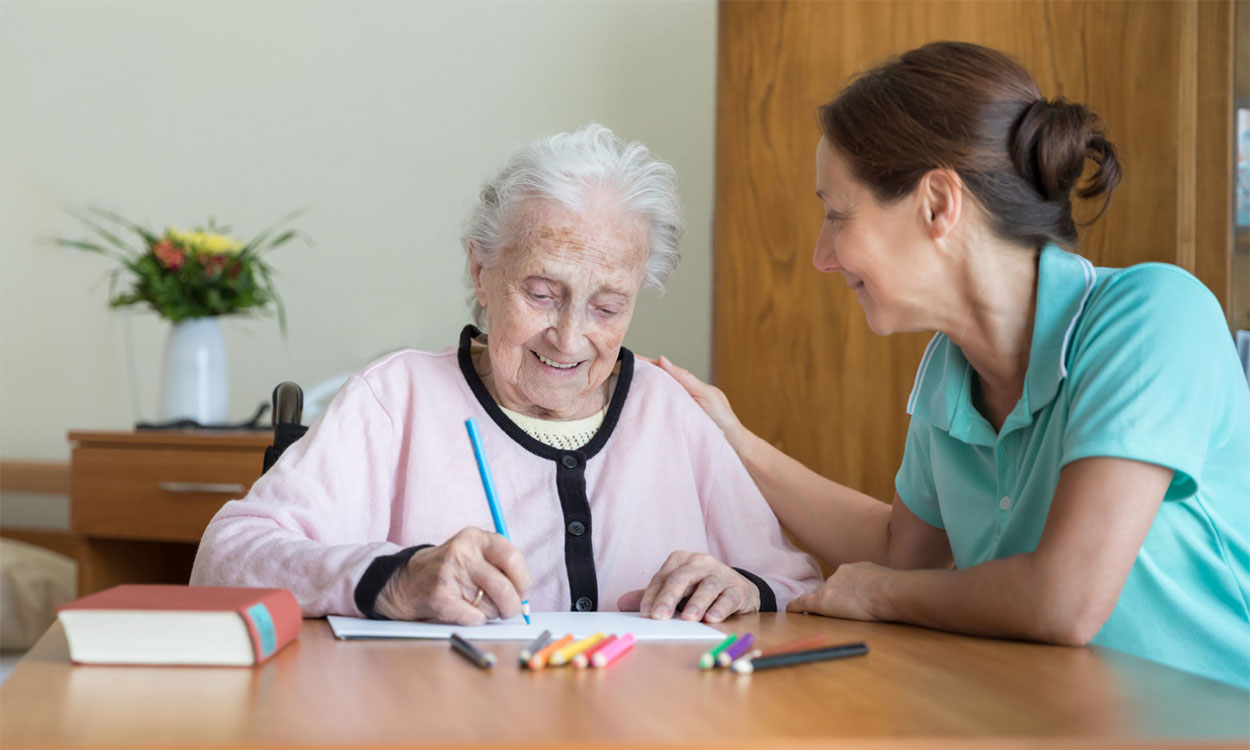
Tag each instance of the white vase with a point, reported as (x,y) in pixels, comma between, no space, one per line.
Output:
(196,381)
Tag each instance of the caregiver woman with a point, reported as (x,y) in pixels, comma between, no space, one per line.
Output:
(1079,444)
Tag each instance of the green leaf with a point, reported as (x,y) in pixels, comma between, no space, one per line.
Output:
(256,241)
(90,247)
(281,317)
(137,229)
(104,232)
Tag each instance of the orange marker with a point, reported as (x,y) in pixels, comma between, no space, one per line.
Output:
(539,660)
(582,660)
(613,651)
(802,644)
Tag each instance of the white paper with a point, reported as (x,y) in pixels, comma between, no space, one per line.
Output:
(577,624)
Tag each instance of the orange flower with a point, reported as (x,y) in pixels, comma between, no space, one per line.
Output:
(168,255)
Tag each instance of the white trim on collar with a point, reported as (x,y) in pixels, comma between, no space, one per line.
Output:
(1090,277)
(920,371)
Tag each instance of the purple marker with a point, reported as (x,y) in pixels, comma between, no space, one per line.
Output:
(736,649)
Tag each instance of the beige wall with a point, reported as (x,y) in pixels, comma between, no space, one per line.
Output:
(383,117)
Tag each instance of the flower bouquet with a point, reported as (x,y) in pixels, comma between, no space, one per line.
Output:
(184,275)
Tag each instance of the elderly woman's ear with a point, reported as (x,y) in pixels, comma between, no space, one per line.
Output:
(475,271)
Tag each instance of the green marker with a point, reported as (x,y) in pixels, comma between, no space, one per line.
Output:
(708,660)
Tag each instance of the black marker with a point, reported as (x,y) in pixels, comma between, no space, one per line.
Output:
(746,666)
(483,659)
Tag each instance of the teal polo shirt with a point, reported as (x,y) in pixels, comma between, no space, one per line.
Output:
(1130,363)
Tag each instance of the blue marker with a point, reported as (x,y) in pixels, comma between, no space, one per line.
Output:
(488,484)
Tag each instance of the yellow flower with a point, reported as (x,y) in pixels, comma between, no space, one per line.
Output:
(204,243)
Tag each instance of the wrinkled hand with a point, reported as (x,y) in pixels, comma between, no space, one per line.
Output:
(709,398)
(850,593)
(440,583)
(716,590)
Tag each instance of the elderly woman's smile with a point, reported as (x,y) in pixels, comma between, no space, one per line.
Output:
(558,302)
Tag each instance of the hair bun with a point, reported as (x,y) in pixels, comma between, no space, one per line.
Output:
(1052,141)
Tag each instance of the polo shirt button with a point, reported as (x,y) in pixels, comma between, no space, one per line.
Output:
(584,604)
(569,461)
(1005,503)
(577,528)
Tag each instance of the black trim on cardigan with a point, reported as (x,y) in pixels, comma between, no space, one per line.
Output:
(579,554)
(376,576)
(768,600)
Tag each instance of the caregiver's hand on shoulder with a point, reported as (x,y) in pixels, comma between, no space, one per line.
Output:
(442,583)
(715,590)
(710,398)
(852,593)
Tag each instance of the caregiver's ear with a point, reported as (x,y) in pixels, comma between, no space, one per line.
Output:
(941,195)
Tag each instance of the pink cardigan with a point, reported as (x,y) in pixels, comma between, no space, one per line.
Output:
(389,466)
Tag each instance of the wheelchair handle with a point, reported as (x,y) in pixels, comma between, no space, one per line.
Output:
(288,403)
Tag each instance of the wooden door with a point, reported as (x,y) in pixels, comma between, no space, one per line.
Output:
(792,349)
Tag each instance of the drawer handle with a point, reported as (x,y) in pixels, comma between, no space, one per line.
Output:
(224,488)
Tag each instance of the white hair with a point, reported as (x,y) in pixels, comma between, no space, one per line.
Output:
(564,168)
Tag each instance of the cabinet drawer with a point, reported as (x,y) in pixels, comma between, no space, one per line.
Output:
(154,492)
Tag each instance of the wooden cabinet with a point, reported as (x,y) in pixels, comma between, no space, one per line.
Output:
(139,501)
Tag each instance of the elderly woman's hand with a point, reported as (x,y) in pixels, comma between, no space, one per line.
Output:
(715,590)
(709,398)
(442,583)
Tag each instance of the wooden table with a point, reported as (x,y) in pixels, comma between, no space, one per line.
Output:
(916,688)
(139,501)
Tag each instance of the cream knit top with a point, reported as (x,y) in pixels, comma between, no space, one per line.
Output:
(567,436)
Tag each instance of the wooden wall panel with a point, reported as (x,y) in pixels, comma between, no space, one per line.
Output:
(792,349)
(1214,149)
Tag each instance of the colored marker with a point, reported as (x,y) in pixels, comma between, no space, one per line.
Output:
(613,651)
(482,659)
(565,655)
(488,484)
(539,660)
(747,666)
(708,660)
(528,652)
(736,649)
(803,644)
(582,660)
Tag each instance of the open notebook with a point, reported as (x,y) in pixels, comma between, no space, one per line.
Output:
(577,624)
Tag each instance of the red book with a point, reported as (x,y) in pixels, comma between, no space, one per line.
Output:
(192,625)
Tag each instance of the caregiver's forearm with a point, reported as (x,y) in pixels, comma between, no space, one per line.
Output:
(1014,597)
(835,522)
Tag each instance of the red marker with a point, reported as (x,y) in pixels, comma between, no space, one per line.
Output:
(582,660)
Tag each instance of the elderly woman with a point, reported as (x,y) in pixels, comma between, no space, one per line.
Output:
(611,479)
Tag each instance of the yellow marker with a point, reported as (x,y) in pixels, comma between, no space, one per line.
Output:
(565,655)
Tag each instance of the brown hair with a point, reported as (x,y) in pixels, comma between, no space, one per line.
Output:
(974,110)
